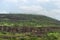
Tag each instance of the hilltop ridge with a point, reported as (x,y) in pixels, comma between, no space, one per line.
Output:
(27,20)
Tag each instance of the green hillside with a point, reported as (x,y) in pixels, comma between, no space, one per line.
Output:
(27,20)
(9,22)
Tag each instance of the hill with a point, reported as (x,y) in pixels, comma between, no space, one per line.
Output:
(27,20)
(28,26)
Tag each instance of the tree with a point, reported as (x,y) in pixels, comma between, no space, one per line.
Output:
(51,36)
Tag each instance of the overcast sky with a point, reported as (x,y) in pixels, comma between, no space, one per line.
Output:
(46,7)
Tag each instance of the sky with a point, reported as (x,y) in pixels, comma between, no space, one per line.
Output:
(50,8)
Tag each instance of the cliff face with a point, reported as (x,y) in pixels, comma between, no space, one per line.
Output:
(34,30)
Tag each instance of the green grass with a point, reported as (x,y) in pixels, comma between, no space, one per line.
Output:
(48,36)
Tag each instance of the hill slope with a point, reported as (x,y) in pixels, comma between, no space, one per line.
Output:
(27,20)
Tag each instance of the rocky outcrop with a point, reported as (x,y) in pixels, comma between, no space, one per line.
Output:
(29,29)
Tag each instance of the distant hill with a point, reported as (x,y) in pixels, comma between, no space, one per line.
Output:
(27,20)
